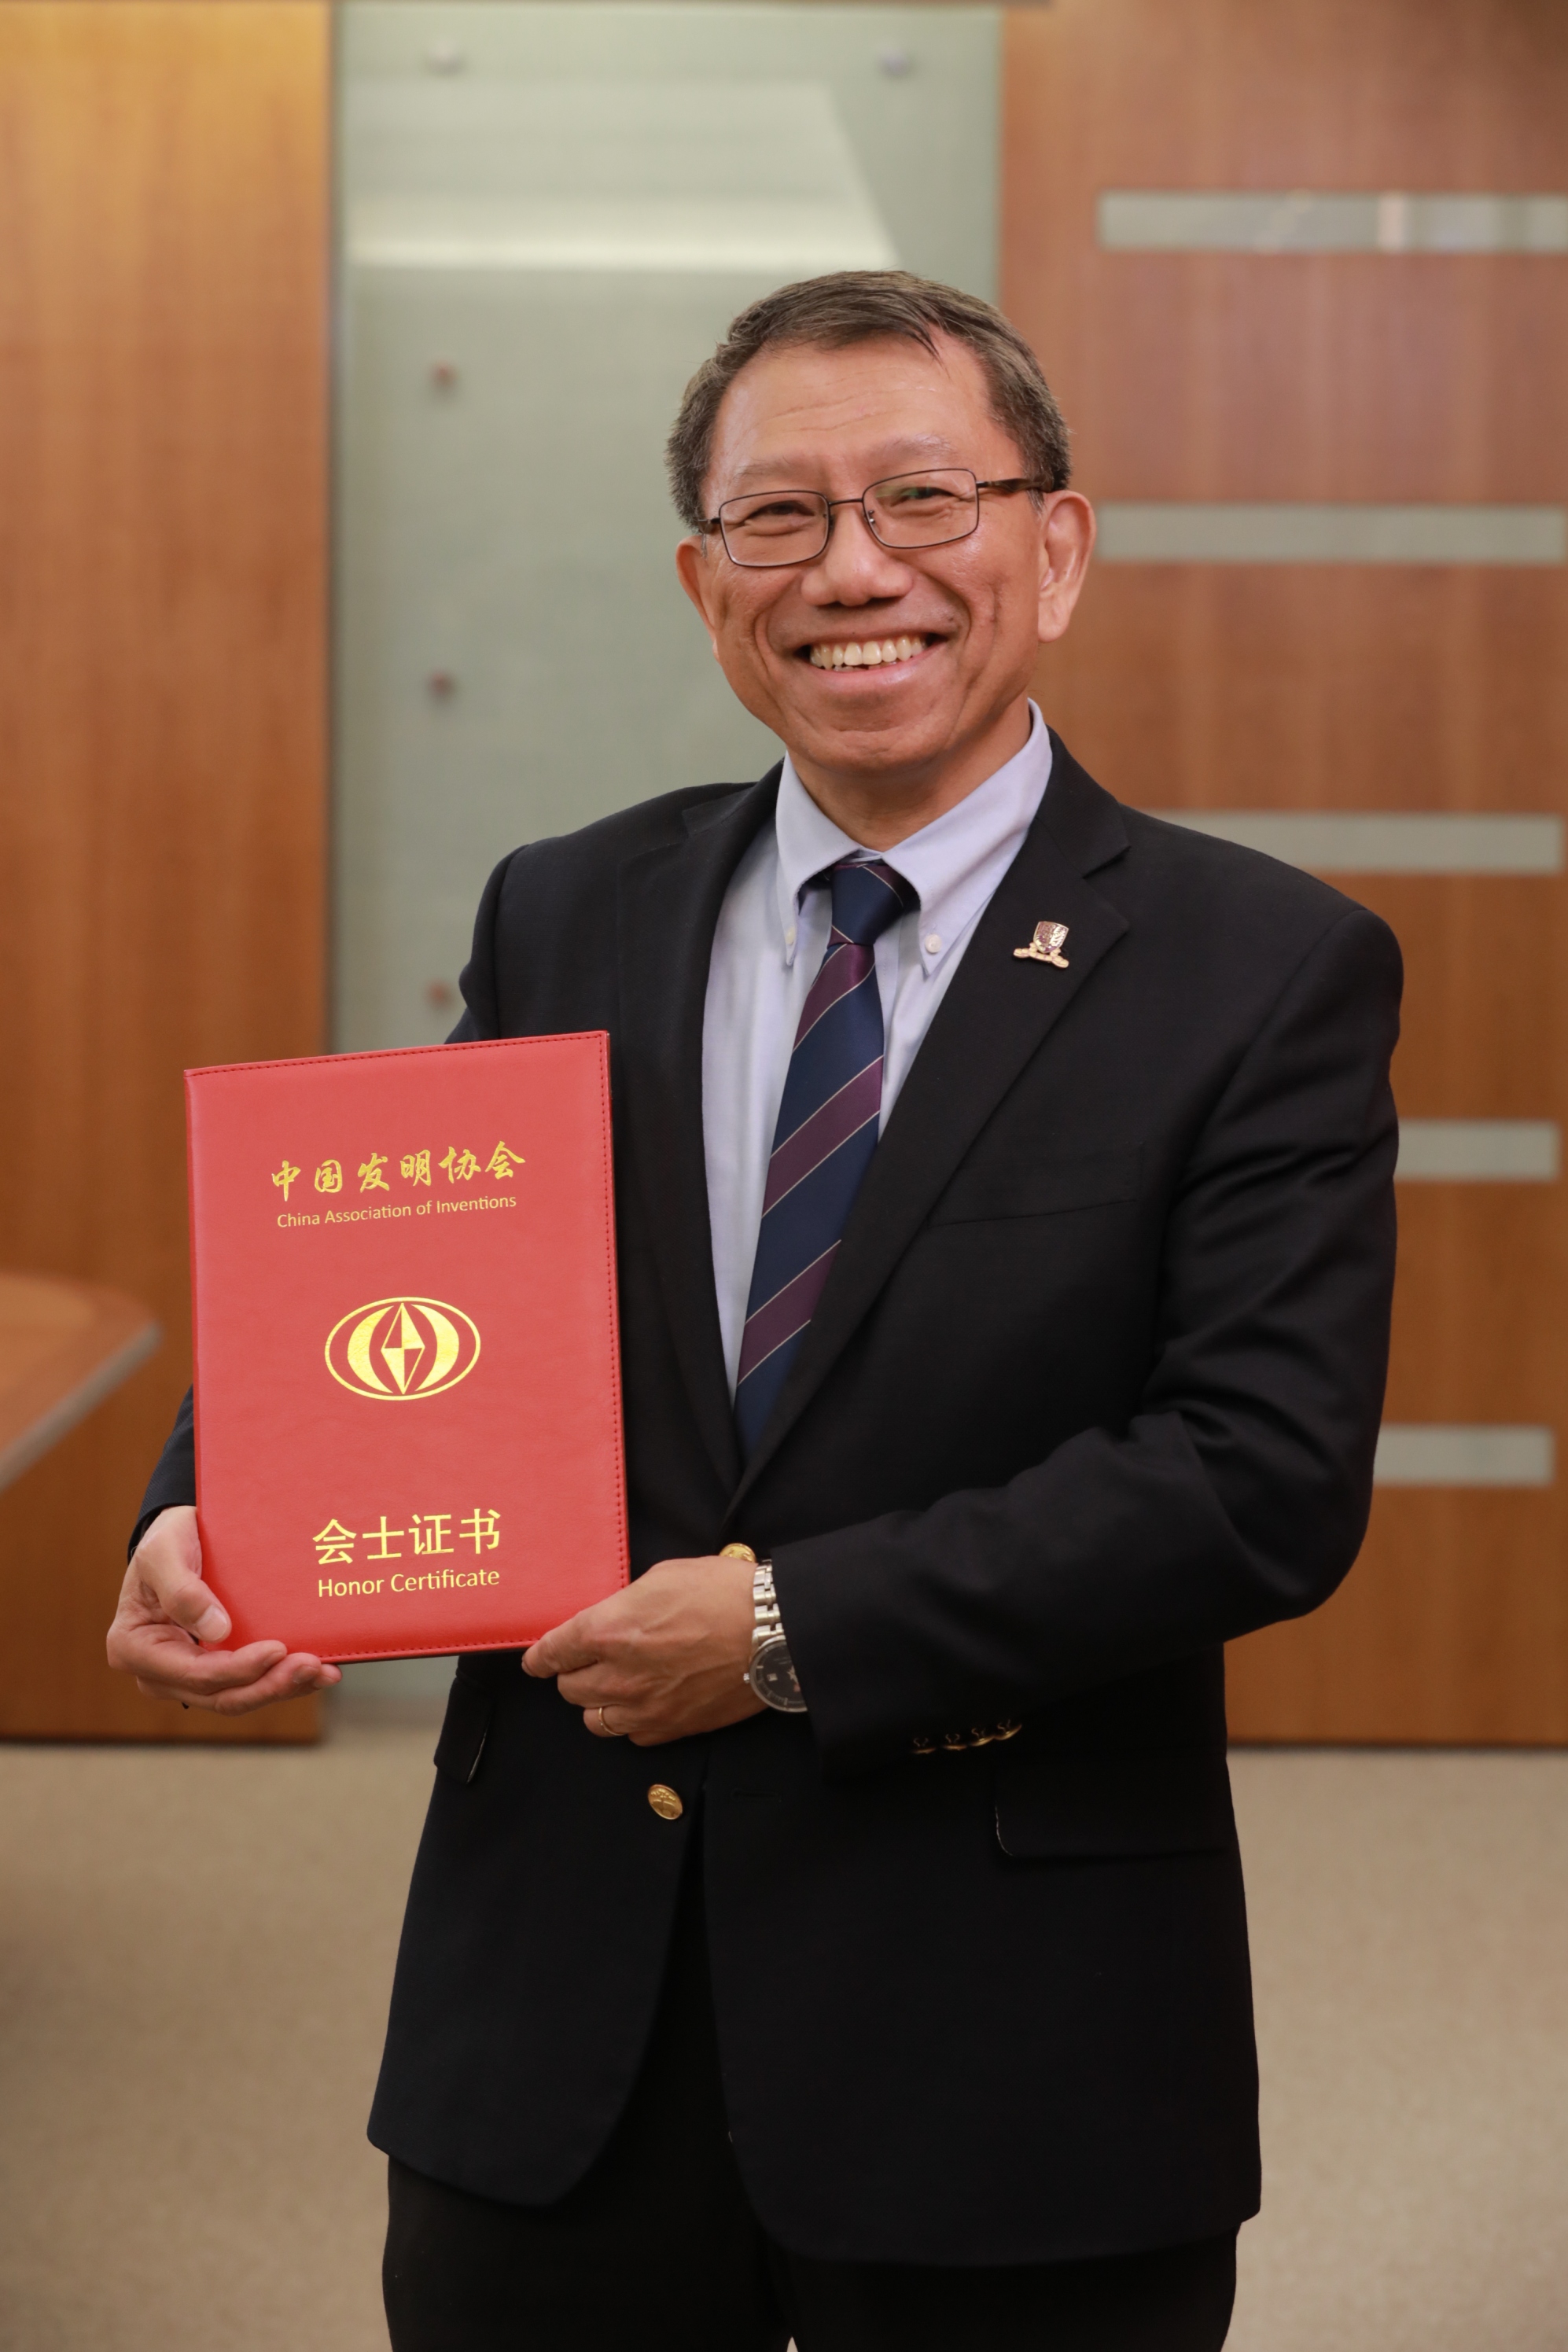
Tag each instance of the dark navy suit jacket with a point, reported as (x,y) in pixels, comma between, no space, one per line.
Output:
(1094,1387)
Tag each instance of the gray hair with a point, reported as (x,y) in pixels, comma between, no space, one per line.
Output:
(863,306)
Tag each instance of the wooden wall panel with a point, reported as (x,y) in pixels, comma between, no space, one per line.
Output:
(1454,1624)
(164,183)
(1450,1631)
(1304,376)
(1346,377)
(1327,686)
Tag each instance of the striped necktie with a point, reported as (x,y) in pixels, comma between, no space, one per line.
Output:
(826,1134)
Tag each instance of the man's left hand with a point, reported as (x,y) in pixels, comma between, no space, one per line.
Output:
(663,1659)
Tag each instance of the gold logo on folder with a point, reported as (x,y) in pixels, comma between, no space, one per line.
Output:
(399,1349)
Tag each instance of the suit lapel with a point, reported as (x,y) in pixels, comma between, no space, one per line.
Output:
(668,906)
(994,1018)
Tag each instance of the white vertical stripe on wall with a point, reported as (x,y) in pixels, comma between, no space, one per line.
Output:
(1332,841)
(1180,530)
(1465,1454)
(1479,1151)
(1251,220)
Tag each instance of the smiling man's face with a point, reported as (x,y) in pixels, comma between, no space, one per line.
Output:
(888,744)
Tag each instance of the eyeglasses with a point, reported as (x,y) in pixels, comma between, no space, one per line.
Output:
(768,528)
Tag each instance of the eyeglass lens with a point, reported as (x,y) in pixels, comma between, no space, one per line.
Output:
(925,510)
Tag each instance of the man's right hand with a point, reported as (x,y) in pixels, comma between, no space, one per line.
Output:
(167,1619)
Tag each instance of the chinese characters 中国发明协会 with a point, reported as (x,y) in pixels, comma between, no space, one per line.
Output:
(459,1165)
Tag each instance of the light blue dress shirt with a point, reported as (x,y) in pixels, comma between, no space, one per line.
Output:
(769,941)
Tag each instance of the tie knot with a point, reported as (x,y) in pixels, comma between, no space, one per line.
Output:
(867,897)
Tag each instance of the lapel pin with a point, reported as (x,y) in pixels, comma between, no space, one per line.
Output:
(1045,947)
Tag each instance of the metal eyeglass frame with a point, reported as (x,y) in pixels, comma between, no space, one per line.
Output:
(1007,488)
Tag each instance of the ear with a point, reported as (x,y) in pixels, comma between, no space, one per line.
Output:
(694,569)
(1067,541)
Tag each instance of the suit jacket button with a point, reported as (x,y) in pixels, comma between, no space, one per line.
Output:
(665,1803)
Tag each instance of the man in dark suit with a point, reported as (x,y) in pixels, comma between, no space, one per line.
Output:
(1005,1240)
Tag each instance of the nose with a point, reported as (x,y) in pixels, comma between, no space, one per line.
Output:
(854,568)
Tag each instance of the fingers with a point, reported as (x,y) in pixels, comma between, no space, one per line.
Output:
(164,1578)
(169,1657)
(163,1653)
(664,1658)
(613,1704)
(600,1684)
(284,1678)
(230,1682)
(614,1629)
(650,1710)
(166,1612)
(170,1559)
(659,1721)
(566,1649)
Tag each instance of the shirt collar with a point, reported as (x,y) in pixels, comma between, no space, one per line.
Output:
(954,863)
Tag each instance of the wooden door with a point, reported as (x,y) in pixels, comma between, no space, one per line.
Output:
(1406,375)
(164,181)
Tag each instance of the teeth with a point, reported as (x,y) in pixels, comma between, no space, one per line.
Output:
(869,655)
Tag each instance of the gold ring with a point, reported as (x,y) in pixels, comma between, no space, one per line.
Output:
(604,1727)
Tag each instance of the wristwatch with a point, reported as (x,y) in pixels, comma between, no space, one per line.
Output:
(769,1671)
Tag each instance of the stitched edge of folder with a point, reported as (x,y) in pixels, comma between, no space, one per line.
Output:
(618,1433)
(458,1650)
(386,1053)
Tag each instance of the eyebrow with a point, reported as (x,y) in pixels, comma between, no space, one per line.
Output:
(895,457)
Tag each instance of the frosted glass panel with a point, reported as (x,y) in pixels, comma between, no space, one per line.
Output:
(549,214)
(609,176)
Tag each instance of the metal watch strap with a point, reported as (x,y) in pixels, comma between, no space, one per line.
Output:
(765,1617)
(765,1599)
(769,1650)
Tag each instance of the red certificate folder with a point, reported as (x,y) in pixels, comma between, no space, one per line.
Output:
(408,1432)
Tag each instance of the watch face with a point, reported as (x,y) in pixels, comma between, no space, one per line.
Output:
(774,1679)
